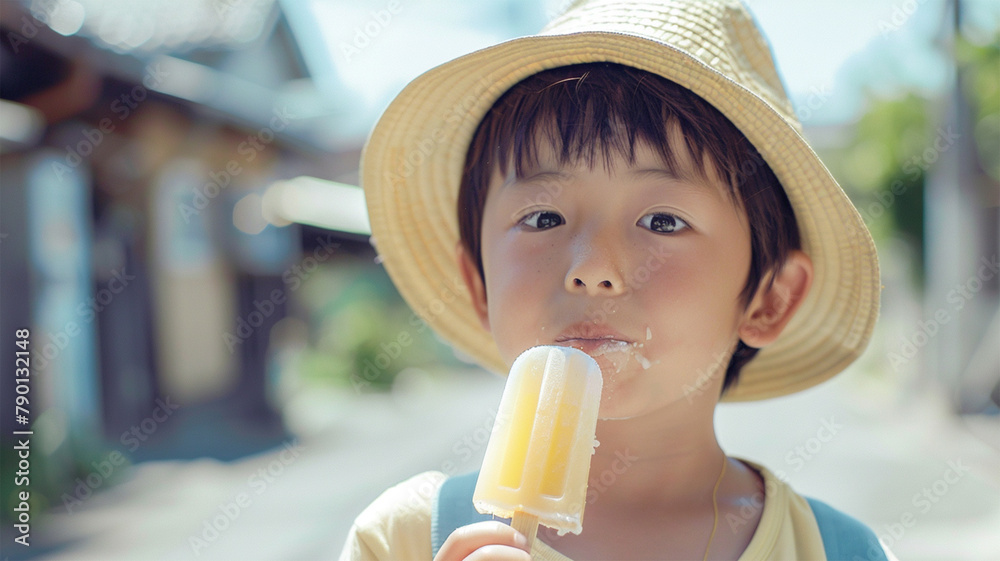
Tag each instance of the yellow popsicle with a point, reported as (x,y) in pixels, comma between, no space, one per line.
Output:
(538,457)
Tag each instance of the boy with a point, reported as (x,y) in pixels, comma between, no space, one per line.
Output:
(632,183)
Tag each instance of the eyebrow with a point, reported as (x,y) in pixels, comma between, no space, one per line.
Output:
(533,180)
(660,173)
(537,177)
(694,182)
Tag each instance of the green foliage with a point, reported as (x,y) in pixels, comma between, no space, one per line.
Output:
(897,141)
(886,163)
(73,466)
(364,334)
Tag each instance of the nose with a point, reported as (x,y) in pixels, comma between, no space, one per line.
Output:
(595,271)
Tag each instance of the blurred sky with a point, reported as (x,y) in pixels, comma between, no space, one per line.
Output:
(359,53)
(848,46)
(829,51)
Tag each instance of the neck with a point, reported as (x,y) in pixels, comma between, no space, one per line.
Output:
(667,457)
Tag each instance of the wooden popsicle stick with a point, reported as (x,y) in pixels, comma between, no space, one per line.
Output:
(527,524)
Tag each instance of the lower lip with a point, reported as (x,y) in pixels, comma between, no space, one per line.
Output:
(595,346)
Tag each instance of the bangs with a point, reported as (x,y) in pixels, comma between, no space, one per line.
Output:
(593,116)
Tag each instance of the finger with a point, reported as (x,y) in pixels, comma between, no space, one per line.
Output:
(467,539)
(498,553)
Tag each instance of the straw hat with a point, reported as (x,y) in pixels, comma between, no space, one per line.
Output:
(412,165)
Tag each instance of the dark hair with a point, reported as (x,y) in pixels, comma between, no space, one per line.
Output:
(603,109)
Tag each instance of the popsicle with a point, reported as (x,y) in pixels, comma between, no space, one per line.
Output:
(538,456)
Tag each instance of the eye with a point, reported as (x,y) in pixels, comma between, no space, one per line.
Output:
(542,220)
(663,223)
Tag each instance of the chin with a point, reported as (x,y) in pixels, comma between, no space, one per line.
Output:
(618,402)
(631,398)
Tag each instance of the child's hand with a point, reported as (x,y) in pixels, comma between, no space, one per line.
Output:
(485,540)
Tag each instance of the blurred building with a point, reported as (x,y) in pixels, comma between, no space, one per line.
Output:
(160,213)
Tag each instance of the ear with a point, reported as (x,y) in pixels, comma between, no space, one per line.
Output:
(474,282)
(772,308)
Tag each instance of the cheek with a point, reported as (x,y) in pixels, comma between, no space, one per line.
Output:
(516,262)
(517,287)
(695,295)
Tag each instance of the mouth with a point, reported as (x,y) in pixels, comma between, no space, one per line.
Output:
(613,355)
(610,348)
(595,346)
(590,334)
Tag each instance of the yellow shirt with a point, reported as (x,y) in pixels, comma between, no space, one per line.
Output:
(397,525)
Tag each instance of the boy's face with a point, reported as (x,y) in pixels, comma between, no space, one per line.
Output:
(640,269)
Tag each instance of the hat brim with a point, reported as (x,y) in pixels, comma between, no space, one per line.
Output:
(412,165)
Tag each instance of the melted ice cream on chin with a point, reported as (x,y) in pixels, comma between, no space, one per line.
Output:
(618,354)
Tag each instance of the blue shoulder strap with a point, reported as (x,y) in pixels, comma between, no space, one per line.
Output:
(454,509)
(845,538)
